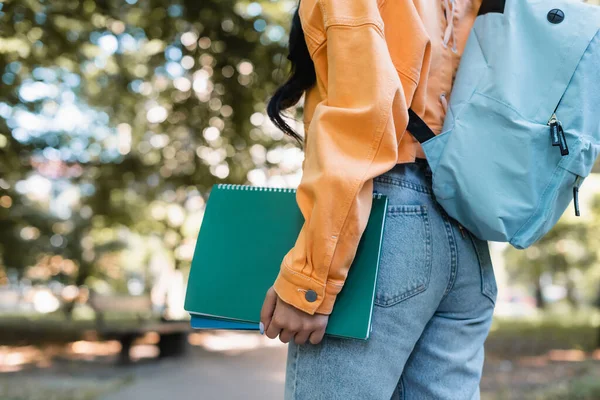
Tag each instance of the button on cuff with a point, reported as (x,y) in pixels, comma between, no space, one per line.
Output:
(310,296)
(294,289)
(331,292)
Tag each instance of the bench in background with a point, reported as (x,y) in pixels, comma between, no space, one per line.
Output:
(173,334)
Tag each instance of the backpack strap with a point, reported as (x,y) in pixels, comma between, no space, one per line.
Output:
(492,6)
(418,128)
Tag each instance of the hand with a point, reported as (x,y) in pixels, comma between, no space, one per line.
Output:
(288,322)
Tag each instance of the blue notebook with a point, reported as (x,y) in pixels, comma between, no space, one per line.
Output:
(199,322)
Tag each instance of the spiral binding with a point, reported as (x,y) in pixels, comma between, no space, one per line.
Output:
(254,188)
(228,186)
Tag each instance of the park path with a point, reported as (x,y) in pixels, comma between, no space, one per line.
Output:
(231,366)
(255,374)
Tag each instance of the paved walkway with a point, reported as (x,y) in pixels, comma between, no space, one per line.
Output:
(256,374)
(247,366)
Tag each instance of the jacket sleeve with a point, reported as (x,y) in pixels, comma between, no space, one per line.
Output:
(351,139)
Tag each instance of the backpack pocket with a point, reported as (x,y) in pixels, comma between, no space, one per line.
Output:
(493,168)
(563,188)
(577,136)
(498,174)
(508,184)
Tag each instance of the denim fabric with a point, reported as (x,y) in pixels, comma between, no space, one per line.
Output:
(435,298)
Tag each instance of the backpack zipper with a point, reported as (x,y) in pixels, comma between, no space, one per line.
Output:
(576,186)
(553,123)
(557,135)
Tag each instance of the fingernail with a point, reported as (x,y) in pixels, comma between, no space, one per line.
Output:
(261,328)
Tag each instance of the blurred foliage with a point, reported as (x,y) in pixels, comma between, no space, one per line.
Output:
(117,117)
(513,337)
(569,255)
(580,388)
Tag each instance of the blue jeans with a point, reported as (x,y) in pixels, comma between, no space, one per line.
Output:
(435,298)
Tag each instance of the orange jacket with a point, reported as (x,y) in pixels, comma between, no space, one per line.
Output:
(374,59)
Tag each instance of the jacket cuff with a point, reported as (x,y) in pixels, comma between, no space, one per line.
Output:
(293,287)
(331,292)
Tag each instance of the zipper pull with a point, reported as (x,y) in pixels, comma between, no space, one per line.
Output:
(576,196)
(554,123)
(557,135)
(564,148)
(576,201)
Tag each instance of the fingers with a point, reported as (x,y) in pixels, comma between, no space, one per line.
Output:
(273,329)
(281,319)
(286,335)
(302,337)
(266,313)
(317,336)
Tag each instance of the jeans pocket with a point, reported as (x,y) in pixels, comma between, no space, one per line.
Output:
(488,279)
(406,255)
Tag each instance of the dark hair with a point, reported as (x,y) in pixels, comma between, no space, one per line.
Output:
(302,77)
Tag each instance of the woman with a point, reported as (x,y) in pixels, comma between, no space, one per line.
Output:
(361,64)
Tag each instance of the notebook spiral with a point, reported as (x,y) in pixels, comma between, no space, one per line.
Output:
(228,186)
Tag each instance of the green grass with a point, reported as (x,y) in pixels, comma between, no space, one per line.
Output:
(534,336)
(585,387)
(511,339)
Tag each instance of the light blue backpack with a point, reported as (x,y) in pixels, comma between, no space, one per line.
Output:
(523,125)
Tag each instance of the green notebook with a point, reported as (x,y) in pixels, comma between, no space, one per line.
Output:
(246,231)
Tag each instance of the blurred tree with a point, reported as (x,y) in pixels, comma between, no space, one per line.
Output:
(125,112)
(569,253)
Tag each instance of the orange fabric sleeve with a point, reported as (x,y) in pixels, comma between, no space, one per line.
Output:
(351,139)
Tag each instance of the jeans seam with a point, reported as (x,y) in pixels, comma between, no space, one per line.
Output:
(402,391)
(295,392)
(485,289)
(403,183)
(453,256)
